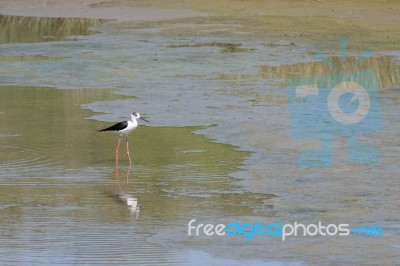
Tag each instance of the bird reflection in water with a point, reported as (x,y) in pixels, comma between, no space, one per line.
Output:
(123,194)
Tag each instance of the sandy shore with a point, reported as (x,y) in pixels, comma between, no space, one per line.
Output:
(367,24)
(94,9)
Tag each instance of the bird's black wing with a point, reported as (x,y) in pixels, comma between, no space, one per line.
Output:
(117,127)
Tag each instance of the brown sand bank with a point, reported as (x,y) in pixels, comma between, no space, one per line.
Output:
(118,10)
(373,24)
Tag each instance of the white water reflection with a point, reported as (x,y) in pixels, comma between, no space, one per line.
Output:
(123,193)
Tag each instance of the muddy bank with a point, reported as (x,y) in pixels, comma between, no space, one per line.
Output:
(367,24)
(94,9)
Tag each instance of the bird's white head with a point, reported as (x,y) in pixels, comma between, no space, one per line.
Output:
(135,116)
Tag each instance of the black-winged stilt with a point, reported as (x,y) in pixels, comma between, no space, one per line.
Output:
(124,128)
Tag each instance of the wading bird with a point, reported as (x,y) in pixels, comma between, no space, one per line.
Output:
(124,128)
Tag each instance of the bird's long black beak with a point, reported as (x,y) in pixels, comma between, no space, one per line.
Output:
(144,120)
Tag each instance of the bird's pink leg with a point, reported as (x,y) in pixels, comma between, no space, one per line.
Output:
(127,151)
(116,155)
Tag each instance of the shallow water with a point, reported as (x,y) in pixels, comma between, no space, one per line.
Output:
(62,202)
(60,192)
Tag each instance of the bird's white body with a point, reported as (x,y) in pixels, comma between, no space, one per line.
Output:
(132,125)
(125,127)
